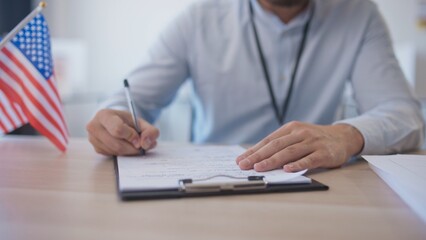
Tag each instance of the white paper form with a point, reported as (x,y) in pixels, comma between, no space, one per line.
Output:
(163,167)
(406,175)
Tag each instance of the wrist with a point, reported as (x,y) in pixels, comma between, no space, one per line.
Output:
(353,139)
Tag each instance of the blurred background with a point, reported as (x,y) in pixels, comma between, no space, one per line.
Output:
(96,43)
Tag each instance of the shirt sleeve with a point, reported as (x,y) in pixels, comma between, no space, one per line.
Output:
(390,117)
(155,81)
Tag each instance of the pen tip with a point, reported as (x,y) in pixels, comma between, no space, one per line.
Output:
(126,84)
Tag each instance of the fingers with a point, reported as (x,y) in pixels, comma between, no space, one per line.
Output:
(122,126)
(269,139)
(149,135)
(275,150)
(106,144)
(287,155)
(111,132)
(283,131)
(297,146)
(276,154)
(310,161)
(117,128)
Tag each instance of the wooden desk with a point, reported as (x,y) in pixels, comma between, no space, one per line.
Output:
(48,195)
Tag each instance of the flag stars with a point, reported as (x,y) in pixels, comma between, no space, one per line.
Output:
(33,41)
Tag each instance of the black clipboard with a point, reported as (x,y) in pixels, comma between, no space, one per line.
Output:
(197,188)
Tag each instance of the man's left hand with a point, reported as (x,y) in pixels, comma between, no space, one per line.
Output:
(297,146)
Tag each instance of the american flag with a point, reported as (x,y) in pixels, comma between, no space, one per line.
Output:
(28,90)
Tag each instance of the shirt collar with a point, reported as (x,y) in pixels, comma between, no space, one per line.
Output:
(274,22)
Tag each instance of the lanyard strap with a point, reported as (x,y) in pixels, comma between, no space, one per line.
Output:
(280,117)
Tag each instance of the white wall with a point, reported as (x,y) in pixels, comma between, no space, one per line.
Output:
(115,34)
(401,17)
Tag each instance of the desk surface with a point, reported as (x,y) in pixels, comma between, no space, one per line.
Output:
(48,195)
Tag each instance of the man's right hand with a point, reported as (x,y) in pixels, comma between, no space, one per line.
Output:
(112,132)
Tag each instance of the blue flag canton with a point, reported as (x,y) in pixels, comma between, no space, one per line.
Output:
(34,42)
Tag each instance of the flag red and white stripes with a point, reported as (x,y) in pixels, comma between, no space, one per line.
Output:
(11,115)
(28,91)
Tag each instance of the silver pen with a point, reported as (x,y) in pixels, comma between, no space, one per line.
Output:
(133,112)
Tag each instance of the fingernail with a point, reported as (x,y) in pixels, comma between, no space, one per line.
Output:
(289,168)
(244,163)
(147,143)
(136,143)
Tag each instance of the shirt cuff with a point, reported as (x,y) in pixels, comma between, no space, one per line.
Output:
(374,142)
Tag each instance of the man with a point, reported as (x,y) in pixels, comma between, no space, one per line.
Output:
(272,72)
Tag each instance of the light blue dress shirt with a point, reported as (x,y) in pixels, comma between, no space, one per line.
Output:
(212,45)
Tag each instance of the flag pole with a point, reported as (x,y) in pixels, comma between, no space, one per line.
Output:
(22,24)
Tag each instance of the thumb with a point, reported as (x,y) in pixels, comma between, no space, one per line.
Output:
(149,134)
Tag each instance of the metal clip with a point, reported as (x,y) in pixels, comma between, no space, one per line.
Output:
(203,184)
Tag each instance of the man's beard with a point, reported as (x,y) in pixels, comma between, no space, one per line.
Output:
(287,3)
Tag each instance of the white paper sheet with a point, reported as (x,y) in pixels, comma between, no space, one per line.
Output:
(163,167)
(406,175)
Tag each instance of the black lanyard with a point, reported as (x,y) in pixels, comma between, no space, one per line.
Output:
(280,117)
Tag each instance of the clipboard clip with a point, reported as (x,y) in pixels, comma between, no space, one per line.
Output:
(237,184)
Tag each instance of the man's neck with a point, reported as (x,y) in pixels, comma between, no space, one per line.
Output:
(286,14)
